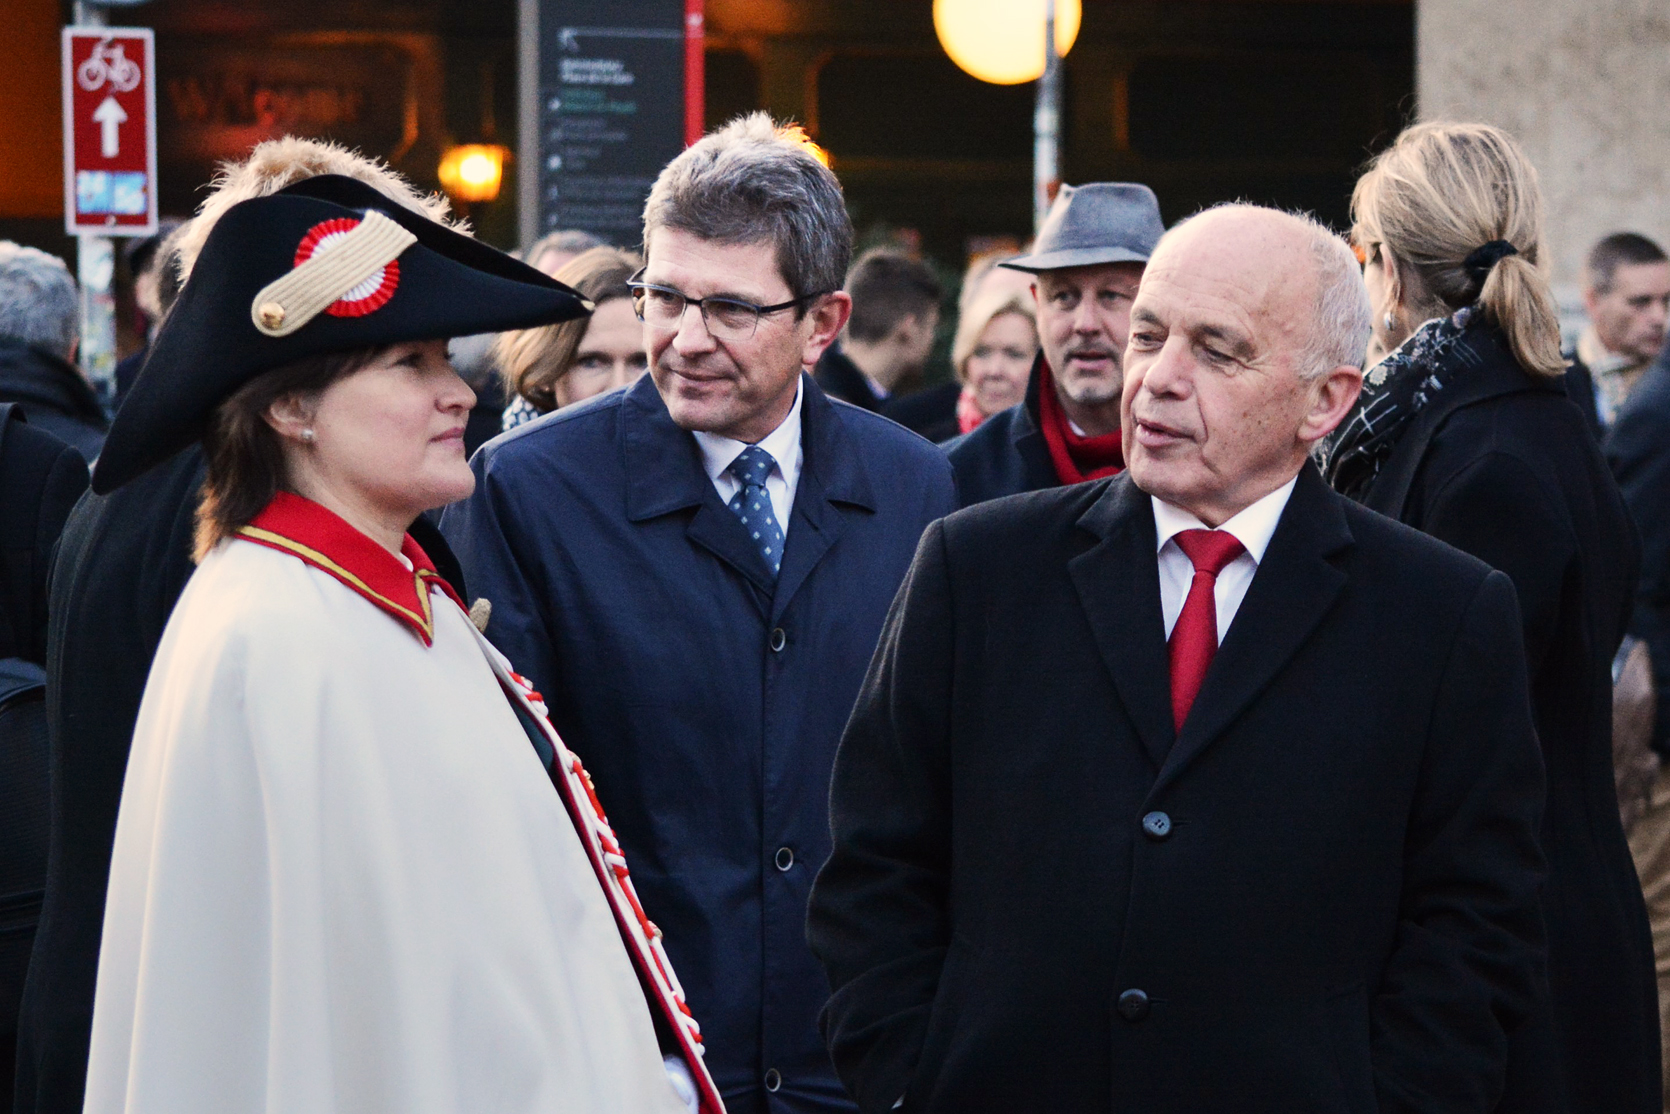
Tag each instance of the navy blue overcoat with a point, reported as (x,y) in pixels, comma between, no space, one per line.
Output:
(706,701)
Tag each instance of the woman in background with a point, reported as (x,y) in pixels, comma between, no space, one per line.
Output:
(1464,432)
(996,342)
(558,365)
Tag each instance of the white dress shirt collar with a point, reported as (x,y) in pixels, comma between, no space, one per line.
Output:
(1253,525)
(783,443)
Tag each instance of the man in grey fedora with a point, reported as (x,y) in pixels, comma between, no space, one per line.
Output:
(1086,264)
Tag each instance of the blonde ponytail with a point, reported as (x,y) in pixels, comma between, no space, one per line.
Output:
(1441,192)
(1516,296)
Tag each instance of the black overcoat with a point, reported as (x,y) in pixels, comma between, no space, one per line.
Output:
(1319,897)
(706,700)
(840,378)
(41,477)
(1638,449)
(1006,454)
(1502,465)
(122,562)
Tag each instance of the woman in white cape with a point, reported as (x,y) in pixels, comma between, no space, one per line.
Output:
(354,869)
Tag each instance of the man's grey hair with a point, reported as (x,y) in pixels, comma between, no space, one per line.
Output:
(38,303)
(754,182)
(1343,320)
(564,241)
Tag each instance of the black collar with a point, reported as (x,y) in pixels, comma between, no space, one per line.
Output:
(1495,374)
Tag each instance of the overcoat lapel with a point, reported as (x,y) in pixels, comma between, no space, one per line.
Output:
(1028,438)
(1293,589)
(833,483)
(664,474)
(1118,583)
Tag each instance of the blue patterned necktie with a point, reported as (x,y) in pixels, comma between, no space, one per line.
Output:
(753,506)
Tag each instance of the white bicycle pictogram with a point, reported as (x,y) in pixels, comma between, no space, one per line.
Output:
(110,63)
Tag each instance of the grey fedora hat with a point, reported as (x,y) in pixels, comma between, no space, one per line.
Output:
(1098,222)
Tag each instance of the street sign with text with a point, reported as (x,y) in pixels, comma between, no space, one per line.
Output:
(611,93)
(110,137)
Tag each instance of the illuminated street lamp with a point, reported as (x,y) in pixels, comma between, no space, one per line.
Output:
(1007,42)
(472,172)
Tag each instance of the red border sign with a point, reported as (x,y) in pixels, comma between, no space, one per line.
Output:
(110,132)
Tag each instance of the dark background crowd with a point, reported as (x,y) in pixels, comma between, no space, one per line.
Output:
(1013,373)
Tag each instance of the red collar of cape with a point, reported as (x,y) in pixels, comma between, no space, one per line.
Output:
(1075,457)
(323,539)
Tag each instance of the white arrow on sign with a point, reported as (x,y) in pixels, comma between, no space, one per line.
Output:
(110,116)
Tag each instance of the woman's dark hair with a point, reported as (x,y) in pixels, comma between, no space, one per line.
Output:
(245,456)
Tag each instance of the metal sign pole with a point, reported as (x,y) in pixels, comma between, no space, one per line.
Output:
(95,268)
(1046,126)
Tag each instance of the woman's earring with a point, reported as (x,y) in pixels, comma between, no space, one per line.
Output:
(307,434)
(1386,321)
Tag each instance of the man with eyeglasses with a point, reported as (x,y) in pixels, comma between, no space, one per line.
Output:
(694,571)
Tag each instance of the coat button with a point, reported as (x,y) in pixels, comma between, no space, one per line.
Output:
(1156,826)
(785,858)
(779,639)
(773,1079)
(1133,1005)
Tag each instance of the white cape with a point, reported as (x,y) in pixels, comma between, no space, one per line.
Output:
(343,883)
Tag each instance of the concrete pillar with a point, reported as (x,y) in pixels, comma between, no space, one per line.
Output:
(1583,85)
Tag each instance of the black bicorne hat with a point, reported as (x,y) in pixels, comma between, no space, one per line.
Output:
(327,265)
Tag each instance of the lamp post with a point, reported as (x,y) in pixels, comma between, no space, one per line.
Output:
(95,268)
(1046,126)
(1008,42)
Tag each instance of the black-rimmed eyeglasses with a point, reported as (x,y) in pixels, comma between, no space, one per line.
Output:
(724,318)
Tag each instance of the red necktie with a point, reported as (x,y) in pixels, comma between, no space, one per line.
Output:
(1195,637)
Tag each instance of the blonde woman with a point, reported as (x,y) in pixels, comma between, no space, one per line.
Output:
(995,345)
(558,365)
(1464,432)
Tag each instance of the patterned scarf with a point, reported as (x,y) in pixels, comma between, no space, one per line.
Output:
(1394,391)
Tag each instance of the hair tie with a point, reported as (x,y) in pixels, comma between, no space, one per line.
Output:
(1481,259)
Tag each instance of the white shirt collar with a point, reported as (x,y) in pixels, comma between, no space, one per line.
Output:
(1253,526)
(783,443)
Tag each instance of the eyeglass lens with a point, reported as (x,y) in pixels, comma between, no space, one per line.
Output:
(724,318)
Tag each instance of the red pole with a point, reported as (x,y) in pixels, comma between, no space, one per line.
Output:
(695,72)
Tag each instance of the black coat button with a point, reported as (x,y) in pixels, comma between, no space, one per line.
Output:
(779,639)
(784,858)
(1133,1005)
(1156,826)
(773,1079)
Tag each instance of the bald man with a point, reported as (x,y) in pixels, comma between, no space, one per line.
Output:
(1199,788)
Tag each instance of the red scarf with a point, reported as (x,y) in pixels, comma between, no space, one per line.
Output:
(1076,458)
(969,414)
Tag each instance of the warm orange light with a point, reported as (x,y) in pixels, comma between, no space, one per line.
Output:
(1002,41)
(797,134)
(473,172)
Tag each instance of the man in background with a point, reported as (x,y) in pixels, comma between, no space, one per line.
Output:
(1086,264)
(895,310)
(1626,291)
(40,329)
(552,250)
(1630,309)
(156,283)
